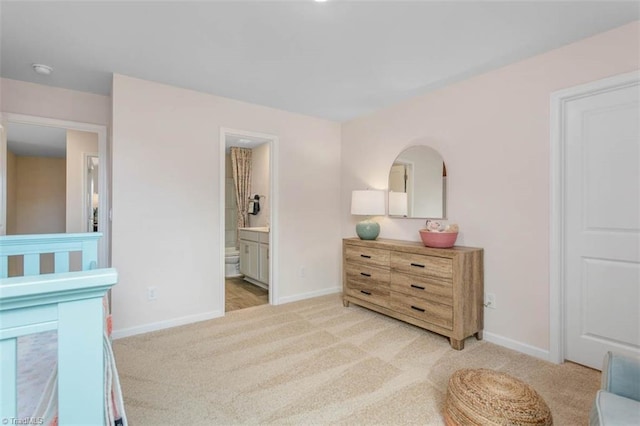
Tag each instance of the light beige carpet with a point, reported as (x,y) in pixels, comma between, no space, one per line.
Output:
(316,362)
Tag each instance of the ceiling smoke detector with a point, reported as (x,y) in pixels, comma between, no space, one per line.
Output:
(42,69)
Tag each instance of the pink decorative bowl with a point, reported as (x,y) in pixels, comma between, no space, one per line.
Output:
(438,239)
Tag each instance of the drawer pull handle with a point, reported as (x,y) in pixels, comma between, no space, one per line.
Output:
(417,265)
(417,309)
(366,256)
(364,274)
(417,286)
(368,293)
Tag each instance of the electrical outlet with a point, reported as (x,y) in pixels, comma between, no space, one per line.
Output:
(490,300)
(152,293)
(302,272)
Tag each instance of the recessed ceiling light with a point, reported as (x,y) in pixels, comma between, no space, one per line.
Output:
(42,69)
(320,1)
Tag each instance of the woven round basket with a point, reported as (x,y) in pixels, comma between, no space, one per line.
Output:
(488,397)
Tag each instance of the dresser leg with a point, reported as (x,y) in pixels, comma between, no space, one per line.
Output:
(456,344)
(345,303)
(479,335)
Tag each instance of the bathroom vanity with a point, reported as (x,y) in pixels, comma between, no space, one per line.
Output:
(440,290)
(254,255)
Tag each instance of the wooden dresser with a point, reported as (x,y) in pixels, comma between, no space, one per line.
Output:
(440,290)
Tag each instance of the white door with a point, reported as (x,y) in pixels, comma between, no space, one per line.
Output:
(602,224)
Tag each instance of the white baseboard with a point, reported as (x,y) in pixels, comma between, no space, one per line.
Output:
(524,348)
(516,346)
(161,325)
(309,295)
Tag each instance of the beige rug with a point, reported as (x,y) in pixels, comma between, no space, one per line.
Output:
(316,362)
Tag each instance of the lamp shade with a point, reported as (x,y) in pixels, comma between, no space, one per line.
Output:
(367,203)
(398,203)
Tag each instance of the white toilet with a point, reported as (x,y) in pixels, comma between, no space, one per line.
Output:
(231,262)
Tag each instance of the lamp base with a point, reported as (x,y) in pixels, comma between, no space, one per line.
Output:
(368,230)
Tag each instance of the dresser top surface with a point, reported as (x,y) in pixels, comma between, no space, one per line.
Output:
(411,246)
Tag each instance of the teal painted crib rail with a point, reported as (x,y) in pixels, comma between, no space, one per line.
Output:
(61,245)
(69,302)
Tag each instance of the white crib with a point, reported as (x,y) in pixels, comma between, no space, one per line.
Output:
(69,302)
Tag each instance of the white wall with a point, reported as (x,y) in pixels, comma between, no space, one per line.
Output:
(21,97)
(166,222)
(493,133)
(78,144)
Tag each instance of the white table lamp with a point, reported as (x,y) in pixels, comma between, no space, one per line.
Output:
(367,203)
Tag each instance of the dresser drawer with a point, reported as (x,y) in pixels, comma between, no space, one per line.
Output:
(374,277)
(367,256)
(431,312)
(376,294)
(433,289)
(422,265)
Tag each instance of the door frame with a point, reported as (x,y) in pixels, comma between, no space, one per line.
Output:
(559,101)
(86,199)
(104,246)
(272,140)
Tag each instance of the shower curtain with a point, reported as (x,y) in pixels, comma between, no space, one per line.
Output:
(241,165)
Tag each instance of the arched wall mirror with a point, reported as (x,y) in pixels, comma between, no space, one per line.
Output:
(418,184)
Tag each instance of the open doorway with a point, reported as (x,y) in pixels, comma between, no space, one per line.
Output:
(247,188)
(46,185)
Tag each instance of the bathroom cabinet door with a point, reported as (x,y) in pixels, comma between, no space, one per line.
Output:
(263,264)
(249,258)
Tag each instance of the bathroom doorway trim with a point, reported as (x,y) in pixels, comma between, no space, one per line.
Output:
(273,209)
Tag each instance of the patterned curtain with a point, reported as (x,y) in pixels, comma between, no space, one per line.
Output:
(241,165)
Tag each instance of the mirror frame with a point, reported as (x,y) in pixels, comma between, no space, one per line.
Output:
(444,183)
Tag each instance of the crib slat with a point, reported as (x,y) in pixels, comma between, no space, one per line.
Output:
(61,263)
(8,378)
(80,384)
(89,255)
(31,264)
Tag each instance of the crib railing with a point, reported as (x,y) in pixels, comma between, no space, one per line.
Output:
(69,302)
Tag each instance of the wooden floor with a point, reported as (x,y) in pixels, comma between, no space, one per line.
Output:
(240,294)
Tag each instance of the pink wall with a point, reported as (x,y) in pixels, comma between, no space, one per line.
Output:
(166,202)
(493,132)
(21,97)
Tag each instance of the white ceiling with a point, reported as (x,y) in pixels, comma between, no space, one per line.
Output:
(337,60)
(36,141)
